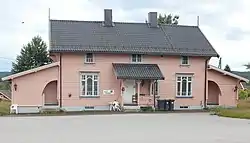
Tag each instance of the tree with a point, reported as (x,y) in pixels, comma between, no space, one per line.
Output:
(32,55)
(227,68)
(170,19)
(247,66)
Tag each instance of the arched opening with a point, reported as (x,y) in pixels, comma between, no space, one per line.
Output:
(213,93)
(50,94)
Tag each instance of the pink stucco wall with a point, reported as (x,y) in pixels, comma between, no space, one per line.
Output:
(50,93)
(30,87)
(73,64)
(213,93)
(226,84)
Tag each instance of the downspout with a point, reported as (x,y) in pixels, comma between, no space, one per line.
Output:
(154,86)
(205,85)
(60,78)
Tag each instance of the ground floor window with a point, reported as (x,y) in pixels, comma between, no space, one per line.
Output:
(89,84)
(184,85)
(155,88)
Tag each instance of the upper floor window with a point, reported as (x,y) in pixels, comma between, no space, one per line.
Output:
(89,58)
(136,58)
(185,60)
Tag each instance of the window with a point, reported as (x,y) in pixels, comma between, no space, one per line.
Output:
(89,84)
(155,87)
(89,58)
(136,58)
(184,85)
(184,60)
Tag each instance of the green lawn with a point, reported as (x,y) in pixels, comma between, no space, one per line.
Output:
(242,111)
(4,107)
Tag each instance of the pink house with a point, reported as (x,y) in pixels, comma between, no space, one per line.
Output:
(97,62)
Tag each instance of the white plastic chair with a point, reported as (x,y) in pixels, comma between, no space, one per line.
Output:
(14,108)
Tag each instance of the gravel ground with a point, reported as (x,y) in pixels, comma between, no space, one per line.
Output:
(136,128)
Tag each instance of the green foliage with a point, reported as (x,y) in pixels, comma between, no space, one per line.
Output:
(227,68)
(247,66)
(242,111)
(235,113)
(4,108)
(168,19)
(32,55)
(244,94)
(5,85)
(147,109)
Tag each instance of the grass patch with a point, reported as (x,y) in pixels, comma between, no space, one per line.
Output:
(4,108)
(242,111)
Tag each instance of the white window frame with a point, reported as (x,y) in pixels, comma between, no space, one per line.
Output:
(89,60)
(137,56)
(95,78)
(179,79)
(152,88)
(184,62)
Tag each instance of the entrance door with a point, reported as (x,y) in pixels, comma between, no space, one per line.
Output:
(129,91)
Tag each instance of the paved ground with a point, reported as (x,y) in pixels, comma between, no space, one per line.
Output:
(136,128)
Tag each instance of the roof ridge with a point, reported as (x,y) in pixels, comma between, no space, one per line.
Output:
(119,22)
(174,25)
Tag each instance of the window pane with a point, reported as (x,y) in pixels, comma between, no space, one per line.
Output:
(184,60)
(133,58)
(179,78)
(178,88)
(89,86)
(156,88)
(184,86)
(95,88)
(189,88)
(83,77)
(83,88)
(95,77)
(189,78)
(138,58)
(89,57)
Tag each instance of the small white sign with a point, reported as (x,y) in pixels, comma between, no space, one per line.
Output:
(105,92)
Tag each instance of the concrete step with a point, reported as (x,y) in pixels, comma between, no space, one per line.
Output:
(49,109)
(131,108)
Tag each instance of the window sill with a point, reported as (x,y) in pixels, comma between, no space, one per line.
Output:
(136,62)
(89,62)
(183,96)
(184,65)
(87,96)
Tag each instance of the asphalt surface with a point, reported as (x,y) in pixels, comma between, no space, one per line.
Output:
(135,128)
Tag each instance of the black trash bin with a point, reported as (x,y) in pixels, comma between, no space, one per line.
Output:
(170,104)
(162,105)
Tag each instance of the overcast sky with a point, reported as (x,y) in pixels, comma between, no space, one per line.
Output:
(224,22)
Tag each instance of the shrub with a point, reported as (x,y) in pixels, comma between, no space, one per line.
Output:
(147,109)
(244,94)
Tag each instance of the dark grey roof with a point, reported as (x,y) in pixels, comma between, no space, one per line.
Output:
(137,71)
(92,36)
